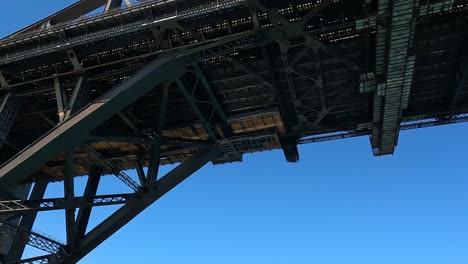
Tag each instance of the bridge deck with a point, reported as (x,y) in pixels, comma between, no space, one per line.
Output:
(91,91)
(319,89)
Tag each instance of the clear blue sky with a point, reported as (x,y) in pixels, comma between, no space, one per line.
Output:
(339,205)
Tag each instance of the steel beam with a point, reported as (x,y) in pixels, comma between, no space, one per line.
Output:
(192,102)
(26,223)
(155,152)
(73,131)
(399,75)
(141,138)
(69,191)
(46,259)
(34,239)
(297,28)
(160,121)
(153,168)
(74,59)
(140,172)
(112,167)
(461,81)
(128,121)
(288,70)
(112,4)
(3,81)
(209,90)
(249,71)
(290,119)
(324,112)
(9,107)
(27,207)
(128,2)
(61,98)
(129,211)
(78,97)
(90,191)
(316,10)
(285,109)
(315,43)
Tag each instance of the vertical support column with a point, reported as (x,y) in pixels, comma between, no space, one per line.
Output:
(288,142)
(285,46)
(160,123)
(69,191)
(3,81)
(61,98)
(141,172)
(74,59)
(82,219)
(9,107)
(112,4)
(128,2)
(153,168)
(319,81)
(78,98)
(6,243)
(27,222)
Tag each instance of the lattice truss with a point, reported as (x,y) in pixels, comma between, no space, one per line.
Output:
(140,84)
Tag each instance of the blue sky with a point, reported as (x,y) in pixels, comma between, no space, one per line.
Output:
(338,205)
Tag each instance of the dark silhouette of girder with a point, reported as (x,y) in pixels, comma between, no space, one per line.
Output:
(198,81)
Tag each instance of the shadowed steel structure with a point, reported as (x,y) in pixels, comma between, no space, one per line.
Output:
(104,86)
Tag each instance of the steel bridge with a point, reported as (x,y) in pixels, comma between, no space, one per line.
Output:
(104,86)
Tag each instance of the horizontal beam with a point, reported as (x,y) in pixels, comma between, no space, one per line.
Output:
(405,125)
(149,140)
(29,206)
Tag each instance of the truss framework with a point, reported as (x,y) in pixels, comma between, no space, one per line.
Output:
(176,66)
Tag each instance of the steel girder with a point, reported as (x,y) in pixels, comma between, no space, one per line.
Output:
(192,101)
(33,205)
(112,4)
(105,163)
(9,107)
(394,80)
(132,208)
(84,121)
(79,243)
(74,131)
(79,97)
(34,239)
(26,222)
(461,79)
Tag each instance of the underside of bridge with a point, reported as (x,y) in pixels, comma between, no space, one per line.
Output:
(104,86)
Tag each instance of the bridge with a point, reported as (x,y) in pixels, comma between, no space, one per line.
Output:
(105,86)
